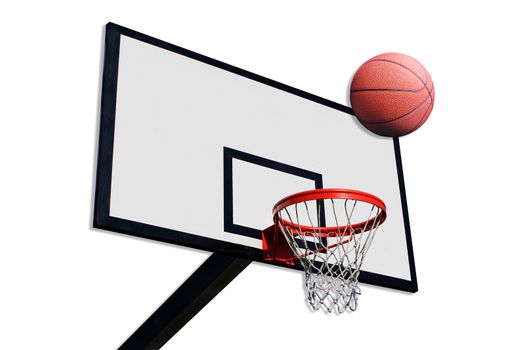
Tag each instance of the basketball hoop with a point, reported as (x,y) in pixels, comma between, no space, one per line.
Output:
(329,232)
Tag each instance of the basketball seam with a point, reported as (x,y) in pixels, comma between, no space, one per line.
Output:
(401,65)
(427,77)
(408,69)
(417,125)
(425,116)
(404,115)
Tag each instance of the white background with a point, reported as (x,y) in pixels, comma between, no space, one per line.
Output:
(66,286)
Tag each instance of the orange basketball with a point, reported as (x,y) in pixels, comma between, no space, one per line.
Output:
(392,94)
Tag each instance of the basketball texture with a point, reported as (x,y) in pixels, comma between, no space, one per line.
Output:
(392,94)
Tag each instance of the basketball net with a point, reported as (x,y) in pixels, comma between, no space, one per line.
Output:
(331,254)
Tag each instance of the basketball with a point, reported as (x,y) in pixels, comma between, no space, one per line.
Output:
(392,94)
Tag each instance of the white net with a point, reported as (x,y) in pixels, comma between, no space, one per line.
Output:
(331,238)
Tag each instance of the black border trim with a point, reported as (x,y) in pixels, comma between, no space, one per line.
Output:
(404,207)
(107,124)
(103,220)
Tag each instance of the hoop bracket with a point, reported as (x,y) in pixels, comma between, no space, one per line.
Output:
(275,247)
(331,255)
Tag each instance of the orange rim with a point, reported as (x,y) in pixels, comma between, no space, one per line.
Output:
(329,193)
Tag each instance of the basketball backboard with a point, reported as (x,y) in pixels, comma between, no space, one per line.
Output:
(196,152)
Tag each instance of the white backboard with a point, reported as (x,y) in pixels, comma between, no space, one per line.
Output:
(196,152)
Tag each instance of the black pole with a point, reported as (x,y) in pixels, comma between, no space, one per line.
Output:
(193,295)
